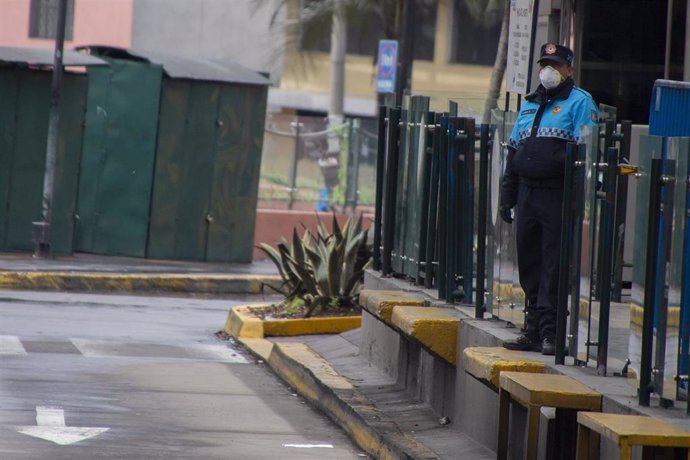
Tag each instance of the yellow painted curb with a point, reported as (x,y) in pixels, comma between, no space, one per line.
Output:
(260,347)
(312,361)
(380,303)
(133,282)
(637,314)
(242,323)
(487,363)
(435,328)
(286,361)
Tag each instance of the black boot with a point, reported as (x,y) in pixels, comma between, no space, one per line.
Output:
(548,346)
(523,342)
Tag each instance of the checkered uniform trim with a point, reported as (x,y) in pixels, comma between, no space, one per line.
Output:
(558,133)
(512,143)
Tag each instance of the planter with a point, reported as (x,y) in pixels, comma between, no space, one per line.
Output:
(242,323)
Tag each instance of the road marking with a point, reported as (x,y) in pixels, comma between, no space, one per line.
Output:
(50,425)
(310,446)
(220,352)
(102,349)
(11,345)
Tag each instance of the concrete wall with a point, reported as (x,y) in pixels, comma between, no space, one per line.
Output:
(236,30)
(104,22)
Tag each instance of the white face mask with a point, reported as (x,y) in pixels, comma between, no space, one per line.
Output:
(550,77)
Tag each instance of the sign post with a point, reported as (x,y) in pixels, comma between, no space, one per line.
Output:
(387,66)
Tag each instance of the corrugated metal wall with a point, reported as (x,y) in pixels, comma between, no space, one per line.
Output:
(25,96)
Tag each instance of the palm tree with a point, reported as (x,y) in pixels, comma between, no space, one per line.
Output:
(337,14)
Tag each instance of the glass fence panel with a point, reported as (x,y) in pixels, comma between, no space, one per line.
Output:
(299,172)
(507,299)
(291,172)
(589,307)
(414,189)
(650,148)
(678,149)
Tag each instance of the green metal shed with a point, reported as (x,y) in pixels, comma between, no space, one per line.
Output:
(172,152)
(25,85)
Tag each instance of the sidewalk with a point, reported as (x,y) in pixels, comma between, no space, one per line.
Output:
(95,273)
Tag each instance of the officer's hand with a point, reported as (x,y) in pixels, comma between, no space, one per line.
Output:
(506,214)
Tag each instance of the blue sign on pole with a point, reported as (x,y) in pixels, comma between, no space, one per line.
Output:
(387,66)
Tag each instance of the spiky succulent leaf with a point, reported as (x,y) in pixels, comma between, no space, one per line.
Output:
(275,258)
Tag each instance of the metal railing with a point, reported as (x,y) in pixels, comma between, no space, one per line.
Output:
(436,225)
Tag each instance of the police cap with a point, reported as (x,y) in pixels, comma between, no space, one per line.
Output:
(556,53)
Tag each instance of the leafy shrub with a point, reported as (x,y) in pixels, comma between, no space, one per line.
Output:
(322,271)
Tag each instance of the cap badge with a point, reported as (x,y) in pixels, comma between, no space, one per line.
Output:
(550,48)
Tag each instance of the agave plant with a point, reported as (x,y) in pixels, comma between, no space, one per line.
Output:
(322,270)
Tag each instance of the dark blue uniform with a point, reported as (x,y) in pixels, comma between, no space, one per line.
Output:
(533,181)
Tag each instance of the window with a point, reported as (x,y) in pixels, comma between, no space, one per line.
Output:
(44,18)
(365,28)
(425,29)
(475,33)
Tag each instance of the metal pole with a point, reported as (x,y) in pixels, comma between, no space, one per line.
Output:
(293,167)
(404,80)
(42,230)
(669,30)
(650,283)
(357,141)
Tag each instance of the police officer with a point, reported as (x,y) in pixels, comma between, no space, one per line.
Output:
(556,113)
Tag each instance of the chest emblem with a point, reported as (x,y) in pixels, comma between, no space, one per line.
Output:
(556,109)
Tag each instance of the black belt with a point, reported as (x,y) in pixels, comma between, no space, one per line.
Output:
(550,182)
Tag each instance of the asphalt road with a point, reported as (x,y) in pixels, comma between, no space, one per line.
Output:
(105,376)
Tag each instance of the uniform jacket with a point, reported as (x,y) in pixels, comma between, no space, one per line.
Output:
(547,121)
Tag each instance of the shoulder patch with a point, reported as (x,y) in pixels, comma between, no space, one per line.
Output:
(593,115)
(528,112)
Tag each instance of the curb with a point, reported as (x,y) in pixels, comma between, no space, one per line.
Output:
(242,323)
(314,379)
(137,282)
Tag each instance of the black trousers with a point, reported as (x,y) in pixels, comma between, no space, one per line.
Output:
(538,249)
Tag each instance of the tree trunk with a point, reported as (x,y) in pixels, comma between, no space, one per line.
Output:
(338,50)
(499,67)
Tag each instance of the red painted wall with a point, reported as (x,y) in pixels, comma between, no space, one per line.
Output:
(272,224)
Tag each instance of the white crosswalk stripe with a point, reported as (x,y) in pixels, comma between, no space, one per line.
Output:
(11,345)
(210,352)
(219,352)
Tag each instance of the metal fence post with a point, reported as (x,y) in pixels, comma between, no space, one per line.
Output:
(378,206)
(650,282)
(296,125)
